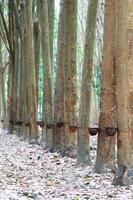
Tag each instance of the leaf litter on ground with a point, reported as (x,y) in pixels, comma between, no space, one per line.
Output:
(27,172)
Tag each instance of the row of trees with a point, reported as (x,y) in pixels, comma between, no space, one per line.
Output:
(27,36)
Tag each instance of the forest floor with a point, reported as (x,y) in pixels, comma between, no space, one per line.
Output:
(27,172)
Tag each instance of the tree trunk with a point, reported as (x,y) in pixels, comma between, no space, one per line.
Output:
(1,65)
(20,22)
(11,70)
(24,74)
(124,78)
(59,88)
(31,83)
(47,96)
(83,149)
(106,144)
(69,74)
(37,52)
(15,78)
(51,4)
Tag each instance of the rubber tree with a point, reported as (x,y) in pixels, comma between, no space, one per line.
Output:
(69,75)
(124,92)
(30,67)
(51,7)
(59,86)
(65,93)
(47,88)
(107,119)
(83,149)
(37,40)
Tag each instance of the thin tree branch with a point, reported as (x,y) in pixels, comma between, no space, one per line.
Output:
(6,31)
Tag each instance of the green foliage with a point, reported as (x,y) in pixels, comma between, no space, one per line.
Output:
(76,197)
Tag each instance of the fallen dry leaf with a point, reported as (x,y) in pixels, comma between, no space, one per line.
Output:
(27,172)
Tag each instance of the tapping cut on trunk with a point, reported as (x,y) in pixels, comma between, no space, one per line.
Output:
(72,128)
